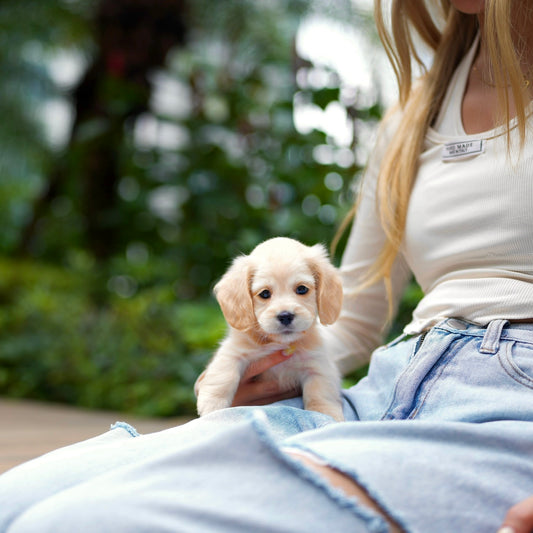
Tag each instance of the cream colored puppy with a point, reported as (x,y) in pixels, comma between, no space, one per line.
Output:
(272,300)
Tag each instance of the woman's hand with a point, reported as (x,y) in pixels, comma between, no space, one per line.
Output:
(255,388)
(519,518)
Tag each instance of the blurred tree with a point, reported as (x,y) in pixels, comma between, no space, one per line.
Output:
(131,38)
(30,30)
(218,167)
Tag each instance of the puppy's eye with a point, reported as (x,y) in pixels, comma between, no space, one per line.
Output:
(302,289)
(265,294)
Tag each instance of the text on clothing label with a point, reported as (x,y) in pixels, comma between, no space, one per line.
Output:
(462,149)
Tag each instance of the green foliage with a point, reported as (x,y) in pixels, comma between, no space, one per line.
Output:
(239,172)
(228,169)
(140,354)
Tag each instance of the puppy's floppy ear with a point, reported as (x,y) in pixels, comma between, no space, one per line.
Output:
(328,285)
(233,294)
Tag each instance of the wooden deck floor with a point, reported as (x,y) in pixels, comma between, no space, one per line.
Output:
(29,429)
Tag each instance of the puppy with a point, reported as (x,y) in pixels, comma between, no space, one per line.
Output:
(271,300)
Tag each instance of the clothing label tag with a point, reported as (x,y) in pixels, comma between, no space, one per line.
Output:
(462,150)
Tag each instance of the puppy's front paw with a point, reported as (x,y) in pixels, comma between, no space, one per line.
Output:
(335,411)
(206,404)
(330,408)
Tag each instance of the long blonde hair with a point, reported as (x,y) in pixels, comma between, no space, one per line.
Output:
(449,34)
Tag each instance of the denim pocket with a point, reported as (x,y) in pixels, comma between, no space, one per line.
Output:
(516,359)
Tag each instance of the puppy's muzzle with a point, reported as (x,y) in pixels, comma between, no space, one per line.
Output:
(286,318)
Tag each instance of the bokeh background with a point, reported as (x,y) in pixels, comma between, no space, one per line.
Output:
(145,143)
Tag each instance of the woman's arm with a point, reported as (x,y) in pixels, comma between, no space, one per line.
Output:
(361,326)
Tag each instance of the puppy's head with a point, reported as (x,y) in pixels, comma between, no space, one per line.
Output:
(280,289)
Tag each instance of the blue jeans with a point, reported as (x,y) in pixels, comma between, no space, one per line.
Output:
(439,434)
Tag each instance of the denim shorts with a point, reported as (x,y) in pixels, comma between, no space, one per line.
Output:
(439,434)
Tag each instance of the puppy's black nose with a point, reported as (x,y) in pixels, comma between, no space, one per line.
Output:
(286,317)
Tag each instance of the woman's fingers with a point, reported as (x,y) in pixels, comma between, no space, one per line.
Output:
(261,398)
(519,518)
(257,389)
(261,365)
(261,392)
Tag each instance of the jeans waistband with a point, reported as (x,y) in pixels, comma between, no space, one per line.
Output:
(491,333)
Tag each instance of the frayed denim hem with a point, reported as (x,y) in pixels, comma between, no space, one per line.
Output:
(358,479)
(124,425)
(373,521)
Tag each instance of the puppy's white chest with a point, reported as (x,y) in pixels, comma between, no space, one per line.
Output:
(295,367)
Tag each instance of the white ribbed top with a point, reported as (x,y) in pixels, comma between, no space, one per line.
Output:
(469,236)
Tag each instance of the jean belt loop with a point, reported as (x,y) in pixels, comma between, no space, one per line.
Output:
(491,339)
